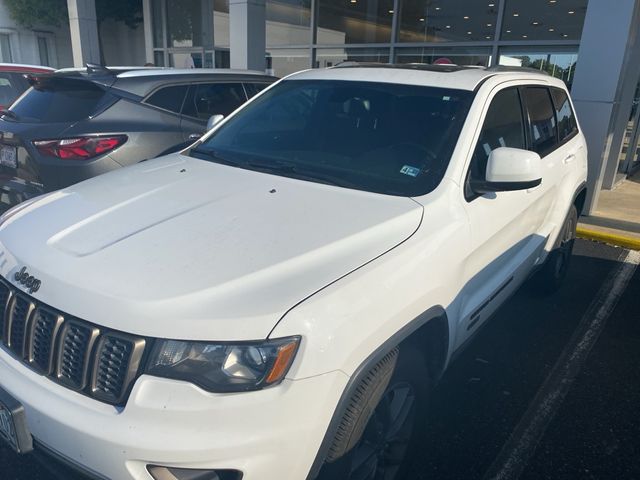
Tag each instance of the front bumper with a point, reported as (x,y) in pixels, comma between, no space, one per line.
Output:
(269,434)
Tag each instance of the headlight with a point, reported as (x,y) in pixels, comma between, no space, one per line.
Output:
(224,367)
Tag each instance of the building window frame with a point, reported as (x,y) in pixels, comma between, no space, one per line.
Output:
(50,43)
(13,44)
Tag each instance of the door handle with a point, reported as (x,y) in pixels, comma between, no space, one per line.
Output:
(569,159)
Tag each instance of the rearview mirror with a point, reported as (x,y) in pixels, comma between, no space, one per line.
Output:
(214,120)
(510,169)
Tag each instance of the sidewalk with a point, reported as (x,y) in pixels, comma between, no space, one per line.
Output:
(617,218)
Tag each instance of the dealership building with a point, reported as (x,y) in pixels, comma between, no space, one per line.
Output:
(593,45)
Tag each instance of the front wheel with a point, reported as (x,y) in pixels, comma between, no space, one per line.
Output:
(391,434)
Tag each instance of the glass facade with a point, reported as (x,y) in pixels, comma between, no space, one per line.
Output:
(353,22)
(541,34)
(479,56)
(549,20)
(557,62)
(448,21)
(288,22)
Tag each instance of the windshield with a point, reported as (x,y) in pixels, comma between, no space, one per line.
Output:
(380,137)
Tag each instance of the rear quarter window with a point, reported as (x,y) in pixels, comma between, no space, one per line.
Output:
(542,120)
(567,125)
(55,100)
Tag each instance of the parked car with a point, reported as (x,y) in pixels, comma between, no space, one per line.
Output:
(13,82)
(73,125)
(277,301)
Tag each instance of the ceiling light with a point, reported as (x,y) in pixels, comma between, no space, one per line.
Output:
(571,12)
(492,4)
(524,36)
(552,29)
(565,35)
(535,23)
(516,14)
(437,8)
(488,37)
(448,26)
(508,31)
(489,25)
(465,17)
(422,19)
(552,1)
(390,11)
(469,33)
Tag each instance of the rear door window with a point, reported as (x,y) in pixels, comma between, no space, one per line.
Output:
(169,98)
(53,100)
(207,99)
(503,127)
(542,120)
(567,125)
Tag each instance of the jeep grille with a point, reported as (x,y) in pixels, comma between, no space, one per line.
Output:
(88,359)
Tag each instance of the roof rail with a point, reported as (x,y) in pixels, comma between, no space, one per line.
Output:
(447,68)
(508,68)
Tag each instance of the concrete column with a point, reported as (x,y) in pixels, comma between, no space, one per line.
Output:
(603,76)
(84,32)
(247,25)
(147,20)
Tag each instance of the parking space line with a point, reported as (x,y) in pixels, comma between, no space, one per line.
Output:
(523,441)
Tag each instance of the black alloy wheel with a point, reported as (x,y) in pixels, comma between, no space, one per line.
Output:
(386,447)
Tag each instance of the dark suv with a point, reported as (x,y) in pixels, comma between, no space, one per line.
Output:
(72,125)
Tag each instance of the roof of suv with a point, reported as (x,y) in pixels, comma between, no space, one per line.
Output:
(448,76)
(141,81)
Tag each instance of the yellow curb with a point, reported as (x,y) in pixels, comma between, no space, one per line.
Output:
(610,238)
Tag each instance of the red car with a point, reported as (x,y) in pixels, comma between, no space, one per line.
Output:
(12,81)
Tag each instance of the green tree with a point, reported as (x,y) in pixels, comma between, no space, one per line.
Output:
(54,12)
(38,12)
(30,13)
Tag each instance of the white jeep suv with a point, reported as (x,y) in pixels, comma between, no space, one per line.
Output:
(275,302)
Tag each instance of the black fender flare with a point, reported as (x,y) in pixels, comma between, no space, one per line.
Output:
(360,374)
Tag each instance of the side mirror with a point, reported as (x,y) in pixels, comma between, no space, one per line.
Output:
(214,120)
(510,169)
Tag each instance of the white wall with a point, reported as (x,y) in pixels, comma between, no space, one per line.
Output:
(122,45)
(24,43)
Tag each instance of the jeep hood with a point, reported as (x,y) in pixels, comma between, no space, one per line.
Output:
(184,248)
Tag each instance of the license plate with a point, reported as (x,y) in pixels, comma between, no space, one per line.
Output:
(13,425)
(8,156)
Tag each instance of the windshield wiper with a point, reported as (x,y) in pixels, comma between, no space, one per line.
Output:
(9,113)
(211,155)
(290,170)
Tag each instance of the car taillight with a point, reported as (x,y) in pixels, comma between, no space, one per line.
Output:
(79,148)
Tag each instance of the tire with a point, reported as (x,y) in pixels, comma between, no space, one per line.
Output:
(390,430)
(550,277)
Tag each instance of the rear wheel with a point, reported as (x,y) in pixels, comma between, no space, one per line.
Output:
(385,448)
(554,271)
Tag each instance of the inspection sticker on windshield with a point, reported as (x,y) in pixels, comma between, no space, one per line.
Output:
(409,170)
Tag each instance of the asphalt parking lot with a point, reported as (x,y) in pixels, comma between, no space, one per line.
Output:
(549,389)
